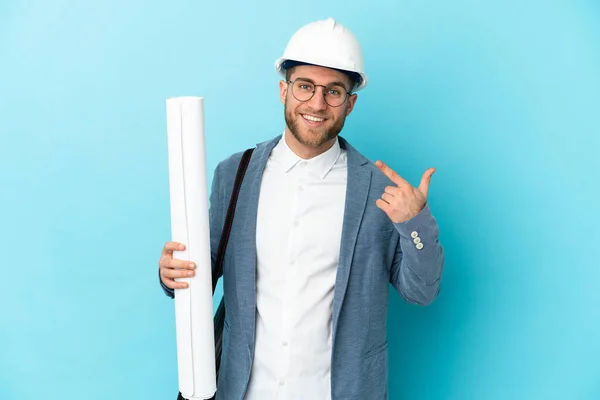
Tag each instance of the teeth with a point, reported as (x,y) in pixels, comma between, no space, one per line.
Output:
(313,119)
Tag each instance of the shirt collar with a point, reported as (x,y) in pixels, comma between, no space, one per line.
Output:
(321,164)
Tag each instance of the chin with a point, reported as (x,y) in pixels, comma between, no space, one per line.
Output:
(314,138)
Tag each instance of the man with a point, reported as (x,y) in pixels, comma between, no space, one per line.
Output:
(318,235)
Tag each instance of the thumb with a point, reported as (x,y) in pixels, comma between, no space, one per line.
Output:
(425,180)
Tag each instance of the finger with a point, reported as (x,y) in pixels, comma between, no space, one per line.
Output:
(174,263)
(170,247)
(388,198)
(425,180)
(390,173)
(177,273)
(394,191)
(382,204)
(172,284)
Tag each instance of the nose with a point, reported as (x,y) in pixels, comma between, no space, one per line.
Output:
(317,102)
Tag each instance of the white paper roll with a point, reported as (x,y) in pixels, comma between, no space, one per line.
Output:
(190,225)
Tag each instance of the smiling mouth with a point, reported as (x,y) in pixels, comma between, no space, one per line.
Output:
(312,118)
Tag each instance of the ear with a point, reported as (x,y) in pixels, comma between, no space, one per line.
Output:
(283,86)
(351,102)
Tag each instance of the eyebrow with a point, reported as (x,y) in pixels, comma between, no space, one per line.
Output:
(329,84)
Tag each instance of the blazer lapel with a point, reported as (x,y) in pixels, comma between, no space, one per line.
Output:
(357,192)
(245,252)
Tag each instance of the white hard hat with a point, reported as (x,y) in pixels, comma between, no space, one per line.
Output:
(325,43)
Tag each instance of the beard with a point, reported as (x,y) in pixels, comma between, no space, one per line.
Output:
(314,138)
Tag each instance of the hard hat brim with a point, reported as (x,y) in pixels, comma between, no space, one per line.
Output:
(360,78)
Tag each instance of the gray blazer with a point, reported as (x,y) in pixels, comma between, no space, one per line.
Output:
(374,253)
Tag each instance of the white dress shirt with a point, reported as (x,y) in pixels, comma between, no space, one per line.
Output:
(299,229)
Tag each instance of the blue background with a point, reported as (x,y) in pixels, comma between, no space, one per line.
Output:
(502,97)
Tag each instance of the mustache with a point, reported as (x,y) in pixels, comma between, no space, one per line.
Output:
(315,113)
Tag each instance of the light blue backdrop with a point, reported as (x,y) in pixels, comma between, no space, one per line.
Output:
(502,97)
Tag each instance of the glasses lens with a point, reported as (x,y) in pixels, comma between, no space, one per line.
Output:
(303,90)
(335,95)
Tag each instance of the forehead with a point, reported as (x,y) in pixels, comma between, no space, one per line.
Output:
(320,75)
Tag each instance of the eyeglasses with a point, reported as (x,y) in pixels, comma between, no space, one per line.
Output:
(335,95)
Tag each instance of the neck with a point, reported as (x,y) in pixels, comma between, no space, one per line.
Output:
(303,151)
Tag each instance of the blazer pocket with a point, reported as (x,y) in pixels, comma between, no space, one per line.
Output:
(372,237)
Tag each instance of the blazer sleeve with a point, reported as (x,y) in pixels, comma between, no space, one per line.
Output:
(419,259)
(216,219)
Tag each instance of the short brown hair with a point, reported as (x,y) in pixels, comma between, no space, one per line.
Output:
(289,72)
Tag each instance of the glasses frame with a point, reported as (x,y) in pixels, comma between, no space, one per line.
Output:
(315,89)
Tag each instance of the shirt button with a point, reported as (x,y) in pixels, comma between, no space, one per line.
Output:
(296,223)
(284,344)
(293,262)
(300,188)
(281,383)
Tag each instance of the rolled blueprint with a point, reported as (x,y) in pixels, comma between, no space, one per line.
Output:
(190,225)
